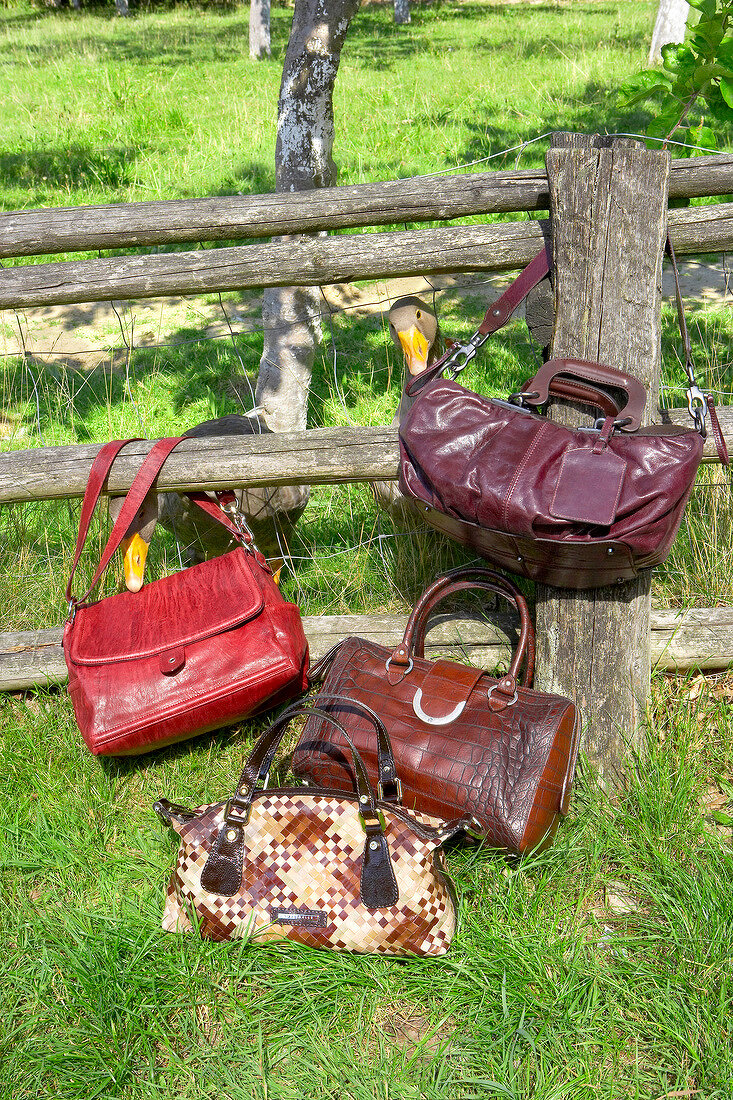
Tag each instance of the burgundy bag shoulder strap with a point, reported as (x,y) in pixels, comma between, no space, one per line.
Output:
(458,355)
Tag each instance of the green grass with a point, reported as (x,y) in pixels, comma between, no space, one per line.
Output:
(555,989)
(168,104)
(552,988)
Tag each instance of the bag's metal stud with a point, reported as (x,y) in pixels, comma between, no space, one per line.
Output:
(231,835)
(610,550)
(373,844)
(386,769)
(519,557)
(363,799)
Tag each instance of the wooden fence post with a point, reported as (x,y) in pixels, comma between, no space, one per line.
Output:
(608,209)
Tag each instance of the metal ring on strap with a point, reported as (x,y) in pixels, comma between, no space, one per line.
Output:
(511,702)
(407,670)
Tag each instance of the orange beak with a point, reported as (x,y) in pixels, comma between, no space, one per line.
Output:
(134,554)
(416,349)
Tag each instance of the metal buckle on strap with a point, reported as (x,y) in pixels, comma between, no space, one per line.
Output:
(398,786)
(236,515)
(697,407)
(466,351)
(408,668)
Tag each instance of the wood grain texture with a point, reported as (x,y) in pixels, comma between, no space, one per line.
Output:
(318,261)
(320,456)
(701,637)
(317,457)
(236,217)
(608,211)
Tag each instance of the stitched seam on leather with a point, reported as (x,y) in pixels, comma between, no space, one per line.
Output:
(240,619)
(520,468)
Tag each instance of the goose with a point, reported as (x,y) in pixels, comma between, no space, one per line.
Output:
(414,329)
(270,514)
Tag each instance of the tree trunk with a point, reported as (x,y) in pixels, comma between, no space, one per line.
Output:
(670,26)
(259,29)
(402,11)
(303,161)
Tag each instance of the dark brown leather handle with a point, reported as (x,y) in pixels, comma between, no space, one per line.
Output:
(260,761)
(460,580)
(222,872)
(583,392)
(586,371)
(388,785)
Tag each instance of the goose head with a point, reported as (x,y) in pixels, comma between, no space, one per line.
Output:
(134,546)
(413,327)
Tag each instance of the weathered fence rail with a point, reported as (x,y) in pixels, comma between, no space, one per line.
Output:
(320,456)
(315,261)
(700,637)
(428,198)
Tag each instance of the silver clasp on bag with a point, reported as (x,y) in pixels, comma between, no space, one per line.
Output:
(462,355)
(697,407)
(236,515)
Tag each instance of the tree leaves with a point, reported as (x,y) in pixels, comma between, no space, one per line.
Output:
(694,87)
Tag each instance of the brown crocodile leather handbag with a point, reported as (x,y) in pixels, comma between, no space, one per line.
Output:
(576,508)
(329,869)
(464,742)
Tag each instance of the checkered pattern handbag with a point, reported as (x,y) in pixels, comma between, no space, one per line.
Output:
(349,871)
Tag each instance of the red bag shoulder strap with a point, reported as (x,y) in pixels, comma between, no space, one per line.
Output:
(143,482)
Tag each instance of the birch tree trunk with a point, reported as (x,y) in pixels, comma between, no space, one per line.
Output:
(303,161)
(670,26)
(259,29)
(402,11)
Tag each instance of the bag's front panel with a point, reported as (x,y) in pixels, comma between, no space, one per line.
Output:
(487,764)
(501,468)
(132,705)
(301,881)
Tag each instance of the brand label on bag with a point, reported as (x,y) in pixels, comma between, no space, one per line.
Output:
(314,918)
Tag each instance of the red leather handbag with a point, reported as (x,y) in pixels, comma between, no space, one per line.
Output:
(463,741)
(576,508)
(189,653)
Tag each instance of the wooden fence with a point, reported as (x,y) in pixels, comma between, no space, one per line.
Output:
(703,637)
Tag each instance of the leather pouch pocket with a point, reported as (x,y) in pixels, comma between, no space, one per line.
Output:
(588,487)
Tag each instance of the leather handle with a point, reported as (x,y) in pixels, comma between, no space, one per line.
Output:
(385,755)
(586,371)
(222,872)
(260,760)
(459,580)
(141,485)
(581,391)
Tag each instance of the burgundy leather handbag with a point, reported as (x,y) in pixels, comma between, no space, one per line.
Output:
(189,653)
(463,741)
(576,508)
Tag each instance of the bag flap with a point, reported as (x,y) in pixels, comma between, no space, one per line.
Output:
(175,611)
(444,692)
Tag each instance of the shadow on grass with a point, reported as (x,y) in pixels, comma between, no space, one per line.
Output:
(71,166)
